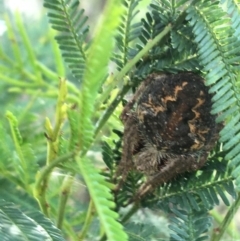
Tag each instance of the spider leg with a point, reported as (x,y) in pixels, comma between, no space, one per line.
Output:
(131,138)
(131,135)
(173,167)
(178,165)
(128,107)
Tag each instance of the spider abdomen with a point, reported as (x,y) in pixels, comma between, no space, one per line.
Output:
(174,113)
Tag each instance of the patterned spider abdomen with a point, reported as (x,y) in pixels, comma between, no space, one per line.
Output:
(174,113)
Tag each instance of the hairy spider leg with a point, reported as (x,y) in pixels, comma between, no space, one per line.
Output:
(130,132)
(128,107)
(174,167)
(179,165)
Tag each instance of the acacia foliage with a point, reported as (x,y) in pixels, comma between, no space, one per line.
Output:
(168,36)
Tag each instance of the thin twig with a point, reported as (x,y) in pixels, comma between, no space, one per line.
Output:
(65,190)
(88,221)
(120,75)
(42,179)
(227,220)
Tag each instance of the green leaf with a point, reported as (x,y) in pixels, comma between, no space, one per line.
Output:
(128,32)
(189,225)
(15,225)
(70,21)
(214,35)
(99,190)
(95,74)
(26,164)
(232,8)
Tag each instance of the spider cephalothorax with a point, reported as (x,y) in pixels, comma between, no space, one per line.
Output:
(168,128)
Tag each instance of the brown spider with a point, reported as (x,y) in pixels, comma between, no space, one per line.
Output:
(168,128)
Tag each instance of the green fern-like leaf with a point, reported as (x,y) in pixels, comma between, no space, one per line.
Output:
(70,22)
(6,147)
(128,31)
(25,164)
(151,26)
(176,52)
(147,225)
(184,49)
(203,187)
(19,226)
(189,225)
(232,7)
(21,199)
(107,154)
(100,194)
(98,59)
(218,55)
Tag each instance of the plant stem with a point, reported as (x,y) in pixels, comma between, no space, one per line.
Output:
(111,108)
(12,39)
(87,222)
(18,83)
(227,220)
(120,75)
(132,210)
(231,228)
(67,226)
(17,139)
(42,180)
(65,190)
(29,48)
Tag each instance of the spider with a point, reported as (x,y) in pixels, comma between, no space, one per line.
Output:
(168,128)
